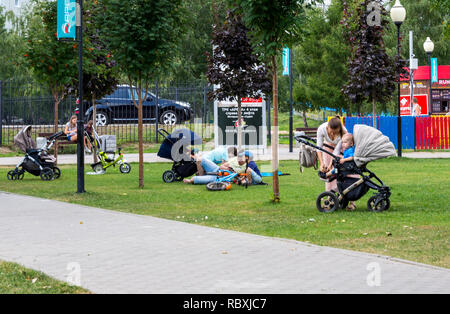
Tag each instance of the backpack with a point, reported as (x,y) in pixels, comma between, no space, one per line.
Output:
(307,157)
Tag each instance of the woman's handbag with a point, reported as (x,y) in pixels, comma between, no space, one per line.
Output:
(307,157)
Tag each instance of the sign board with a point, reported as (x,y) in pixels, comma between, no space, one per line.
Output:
(434,71)
(285,61)
(413,63)
(405,104)
(254,130)
(66,19)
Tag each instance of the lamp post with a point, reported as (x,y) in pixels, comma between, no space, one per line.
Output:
(80,121)
(428,46)
(398,14)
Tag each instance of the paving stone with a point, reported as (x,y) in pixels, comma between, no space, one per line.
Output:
(125,253)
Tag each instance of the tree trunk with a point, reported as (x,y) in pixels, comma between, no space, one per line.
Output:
(55,122)
(239,125)
(305,121)
(276,187)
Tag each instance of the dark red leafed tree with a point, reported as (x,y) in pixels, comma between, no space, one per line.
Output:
(234,67)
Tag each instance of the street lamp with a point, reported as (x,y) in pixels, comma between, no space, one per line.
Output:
(428,46)
(398,14)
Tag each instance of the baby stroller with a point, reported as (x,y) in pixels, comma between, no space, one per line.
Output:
(36,161)
(370,144)
(105,160)
(183,164)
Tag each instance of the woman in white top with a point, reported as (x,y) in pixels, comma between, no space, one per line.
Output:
(71,129)
(330,133)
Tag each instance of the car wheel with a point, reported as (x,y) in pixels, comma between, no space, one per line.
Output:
(102,118)
(169,117)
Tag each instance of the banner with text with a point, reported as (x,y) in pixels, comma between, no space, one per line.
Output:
(66,19)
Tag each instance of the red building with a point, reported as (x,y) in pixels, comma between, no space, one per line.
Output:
(440,91)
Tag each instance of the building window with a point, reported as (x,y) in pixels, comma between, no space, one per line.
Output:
(17,2)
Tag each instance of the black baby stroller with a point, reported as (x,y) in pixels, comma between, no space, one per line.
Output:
(370,144)
(174,148)
(36,161)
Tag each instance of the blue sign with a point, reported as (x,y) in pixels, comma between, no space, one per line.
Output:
(66,19)
(434,73)
(285,61)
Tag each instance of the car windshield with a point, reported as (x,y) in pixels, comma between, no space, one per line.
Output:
(135,94)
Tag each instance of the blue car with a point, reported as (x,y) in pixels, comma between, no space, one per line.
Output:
(118,107)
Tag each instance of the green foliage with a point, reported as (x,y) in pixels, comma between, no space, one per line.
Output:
(273,24)
(321,59)
(100,73)
(54,62)
(142,35)
(372,73)
(12,47)
(190,61)
(426,19)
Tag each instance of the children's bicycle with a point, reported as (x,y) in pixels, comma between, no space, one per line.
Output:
(224,180)
(106,162)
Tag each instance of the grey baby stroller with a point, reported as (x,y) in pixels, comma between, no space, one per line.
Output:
(36,161)
(370,144)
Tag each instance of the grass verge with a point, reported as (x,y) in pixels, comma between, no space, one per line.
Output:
(15,279)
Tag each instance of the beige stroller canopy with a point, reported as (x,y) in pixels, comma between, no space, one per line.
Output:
(23,139)
(370,145)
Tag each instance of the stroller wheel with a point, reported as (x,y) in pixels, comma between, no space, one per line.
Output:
(56,173)
(125,167)
(327,202)
(375,204)
(218,186)
(20,175)
(47,174)
(12,175)
(168,176)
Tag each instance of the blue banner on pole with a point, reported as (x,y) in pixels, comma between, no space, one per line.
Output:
(434,71)
(285,61)
(66,19)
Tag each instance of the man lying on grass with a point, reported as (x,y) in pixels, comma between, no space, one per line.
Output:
(237,164)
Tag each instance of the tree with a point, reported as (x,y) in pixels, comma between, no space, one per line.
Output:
(100,73)
(53,62)
(12,47)
(372,73)
(234,67)
(142,36)
(273,25)
(321,59)
(190,61)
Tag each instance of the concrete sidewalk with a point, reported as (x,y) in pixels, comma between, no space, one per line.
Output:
(284,154)
(113,252)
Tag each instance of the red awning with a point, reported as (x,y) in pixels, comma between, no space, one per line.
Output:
(422,73)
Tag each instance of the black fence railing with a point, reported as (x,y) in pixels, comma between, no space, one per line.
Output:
(167,105)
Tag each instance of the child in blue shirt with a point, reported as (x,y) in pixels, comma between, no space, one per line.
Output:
(349,152)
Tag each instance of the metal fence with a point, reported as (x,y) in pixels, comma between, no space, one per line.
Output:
(31,103)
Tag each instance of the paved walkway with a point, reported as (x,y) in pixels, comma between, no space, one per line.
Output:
(112,252)
(284,154)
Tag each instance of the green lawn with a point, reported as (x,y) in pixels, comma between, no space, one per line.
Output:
(415,228)
(15,279)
